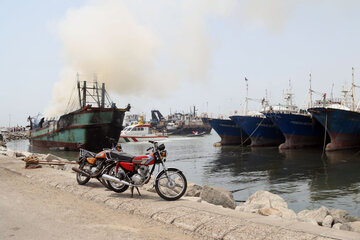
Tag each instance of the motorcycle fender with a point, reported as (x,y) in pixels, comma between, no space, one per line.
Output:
(172,169)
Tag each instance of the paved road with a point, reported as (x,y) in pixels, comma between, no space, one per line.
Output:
(32,211)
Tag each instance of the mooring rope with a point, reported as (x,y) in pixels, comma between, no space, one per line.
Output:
(324,145)
(255,129)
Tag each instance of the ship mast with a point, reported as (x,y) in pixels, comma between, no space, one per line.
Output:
(310,93)
(247,98)
(353,91)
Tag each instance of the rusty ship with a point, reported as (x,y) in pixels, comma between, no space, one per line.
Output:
(95,125)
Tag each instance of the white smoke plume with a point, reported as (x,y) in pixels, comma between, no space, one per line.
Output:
(269,14)
(108,39)
(134,46)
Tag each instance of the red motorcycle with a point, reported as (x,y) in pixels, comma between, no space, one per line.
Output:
(131,171)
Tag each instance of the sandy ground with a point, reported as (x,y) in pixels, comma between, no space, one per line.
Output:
(31,211)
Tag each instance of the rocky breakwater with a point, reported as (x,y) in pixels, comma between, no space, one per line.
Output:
(11,136)
(35,160)
(269,204)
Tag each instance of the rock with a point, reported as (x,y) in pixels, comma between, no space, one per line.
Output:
(337,226)
(287,213)
(342,216)
(27,154)
(351,226)
(248,208)
(266,199)
(20,155)
(218,196)
(50,157)
(328,221)
(11,153)
(193,190)
(269,211)
(318,214)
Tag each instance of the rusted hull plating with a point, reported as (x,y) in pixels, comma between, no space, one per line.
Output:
(89,128)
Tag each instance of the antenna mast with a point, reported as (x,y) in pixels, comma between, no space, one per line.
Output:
(353,91)
(246,99)
(310,93)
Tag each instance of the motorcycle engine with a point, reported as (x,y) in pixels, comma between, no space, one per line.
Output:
(97,167)
(139,177)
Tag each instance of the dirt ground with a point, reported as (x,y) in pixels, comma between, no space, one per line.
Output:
(32,211)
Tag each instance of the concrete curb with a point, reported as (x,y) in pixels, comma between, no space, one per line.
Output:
(201,220)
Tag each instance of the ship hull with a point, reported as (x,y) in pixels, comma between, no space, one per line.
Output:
(126,139)
(343,127)
(262,131)
(89,128)
(185,130)
(300,130)
(229,132)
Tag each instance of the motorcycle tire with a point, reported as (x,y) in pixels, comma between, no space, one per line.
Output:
(116,187)
(170,190)
(82,179)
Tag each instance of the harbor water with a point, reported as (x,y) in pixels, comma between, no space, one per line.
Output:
(305,178)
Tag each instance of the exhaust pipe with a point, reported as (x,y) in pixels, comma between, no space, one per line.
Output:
(116,180)
(81,172)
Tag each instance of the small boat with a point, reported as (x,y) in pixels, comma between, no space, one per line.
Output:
(196,134)
(141,132)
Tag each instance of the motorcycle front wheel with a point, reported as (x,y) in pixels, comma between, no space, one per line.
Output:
(170,184)
(116,187)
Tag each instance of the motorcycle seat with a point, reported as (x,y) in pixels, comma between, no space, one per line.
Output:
(122,157)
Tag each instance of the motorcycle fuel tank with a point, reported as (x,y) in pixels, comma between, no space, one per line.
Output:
(145,159)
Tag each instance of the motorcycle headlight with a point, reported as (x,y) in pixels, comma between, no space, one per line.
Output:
(163,154)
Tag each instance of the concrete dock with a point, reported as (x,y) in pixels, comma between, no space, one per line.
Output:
(196,220)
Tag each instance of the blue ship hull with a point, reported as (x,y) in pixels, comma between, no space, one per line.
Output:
(262,131)
(300,130)
(229,132)
(343,127)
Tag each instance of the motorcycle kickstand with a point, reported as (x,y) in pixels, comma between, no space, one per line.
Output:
(132,191)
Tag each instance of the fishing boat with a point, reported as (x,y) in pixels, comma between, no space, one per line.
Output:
(196,134)
(341,121)
(299,128)
(261,130)
(342,125)
(229,132)
(141,132)
(89,127)
(179,123)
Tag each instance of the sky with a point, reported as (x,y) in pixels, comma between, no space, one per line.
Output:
(172,55)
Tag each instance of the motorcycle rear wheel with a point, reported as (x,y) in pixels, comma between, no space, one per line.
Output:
(116,187)
(82,179)
(170,184)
